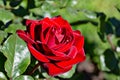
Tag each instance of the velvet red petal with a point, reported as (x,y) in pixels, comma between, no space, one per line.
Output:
(58,58)
(61,23)
(77,32)
(54,70)
(79,58)
(57,53)
(79,41)
(32,30)
(63,47)
(45,32)
(24,36)
(31,21)
(44,25)
(38,55)
(73,52)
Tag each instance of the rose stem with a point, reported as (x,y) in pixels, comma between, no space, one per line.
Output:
(34,69)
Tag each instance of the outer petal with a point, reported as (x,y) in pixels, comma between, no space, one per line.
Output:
(79,41)
(27,22)
(32,30)
(77,32)
(54,70)
(24,36)
(79,58)
(38,55)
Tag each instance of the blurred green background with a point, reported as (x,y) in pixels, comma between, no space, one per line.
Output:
(98,20)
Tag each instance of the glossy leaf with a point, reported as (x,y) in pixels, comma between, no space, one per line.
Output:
(13,27)
(2,76)
(5,15)
(24,77)
(48,77)
(17,54)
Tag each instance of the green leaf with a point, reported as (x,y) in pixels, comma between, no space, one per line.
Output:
(110,76)
(105,6)
(1,3)
(17,54)
(13,27)
(48,77)
(24,77)
(2,36)
(68,74)
(5,15)
(2,76)
(111,61)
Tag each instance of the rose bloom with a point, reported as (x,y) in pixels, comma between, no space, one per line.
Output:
(54,44)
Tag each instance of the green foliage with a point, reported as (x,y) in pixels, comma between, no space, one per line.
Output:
(17,54)
(98,20)
(2,76)
(5,15)
(24,77)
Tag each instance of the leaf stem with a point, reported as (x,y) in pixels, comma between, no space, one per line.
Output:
(34,69)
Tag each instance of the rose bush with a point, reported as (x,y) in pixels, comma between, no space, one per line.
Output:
(54,44)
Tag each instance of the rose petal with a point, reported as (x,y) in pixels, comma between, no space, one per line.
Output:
(32,30)
(73,52)
(79,41)
(54,70)
(57,53)
(58,58)
(77,32)
(60,22)
(31,21)
(65,44)
(38,55)
(79,58)
(45,30)
(60,55)
(51,40)
(63,47)
(24,36)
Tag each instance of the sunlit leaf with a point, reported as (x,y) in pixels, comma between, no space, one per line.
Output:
(2,76)
(48,77)
(5,15)
(13,27)
(24,77)
(17,54)
(105,6)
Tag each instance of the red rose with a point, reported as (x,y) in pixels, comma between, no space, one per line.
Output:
(54,44)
